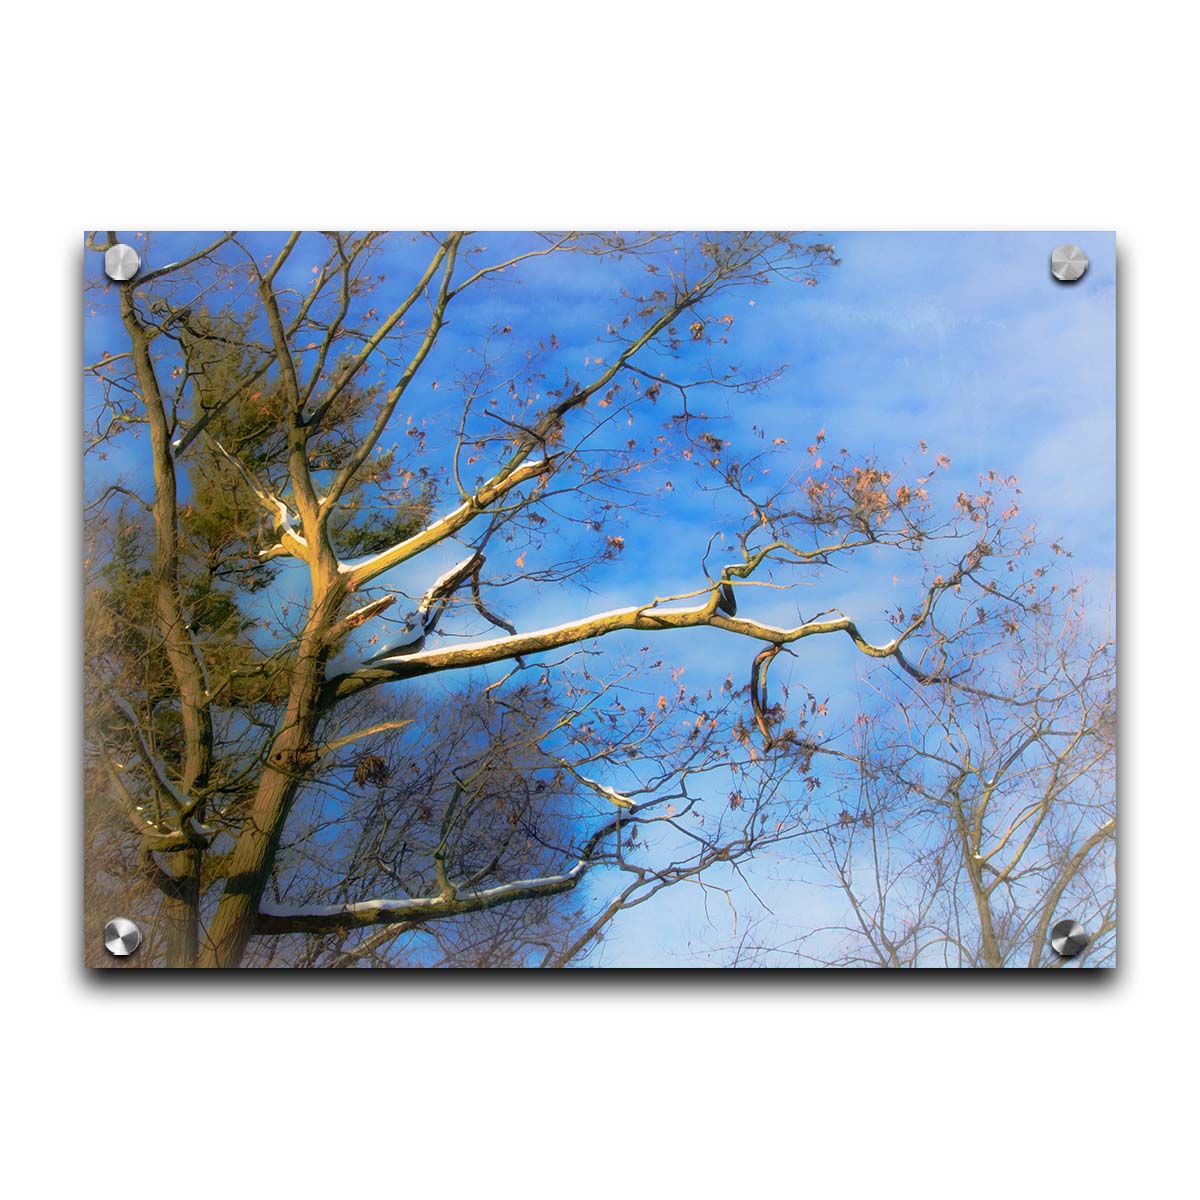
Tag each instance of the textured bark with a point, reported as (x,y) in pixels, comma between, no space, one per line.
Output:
(292,755)
(181,907)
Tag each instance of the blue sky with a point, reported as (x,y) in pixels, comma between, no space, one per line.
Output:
(963,340)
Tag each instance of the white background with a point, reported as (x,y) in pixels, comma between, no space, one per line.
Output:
(616,116)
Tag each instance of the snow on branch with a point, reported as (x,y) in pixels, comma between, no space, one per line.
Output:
(610,794)
(184,806)
(160,837)
(458,898)
(393,663)
(366,569)
(429,612)
(291,541)
(274,918)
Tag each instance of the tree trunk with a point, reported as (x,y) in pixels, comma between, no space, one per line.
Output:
(987,930)
(181,907)
(250,866)
(292,755)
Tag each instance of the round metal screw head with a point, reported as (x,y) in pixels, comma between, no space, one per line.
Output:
(121,262)
(1068,263)
(121,936)
(1068,938)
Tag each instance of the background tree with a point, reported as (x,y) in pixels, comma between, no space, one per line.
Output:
(973,818)
(288,530)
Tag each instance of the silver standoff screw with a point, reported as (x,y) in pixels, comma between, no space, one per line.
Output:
(1068,263)
(121,262)
(121,936)
(1067,938)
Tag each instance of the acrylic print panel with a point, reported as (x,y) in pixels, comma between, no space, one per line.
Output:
(597,600)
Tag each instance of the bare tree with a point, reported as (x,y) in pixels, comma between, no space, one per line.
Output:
(254,663)
(972,819)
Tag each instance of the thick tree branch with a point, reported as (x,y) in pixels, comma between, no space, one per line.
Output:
(412,910)
(455,900)
(648,618)
(362,572)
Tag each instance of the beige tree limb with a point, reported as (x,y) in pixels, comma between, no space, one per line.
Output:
(362,572)
(649,618)
(359,734)
(290,542)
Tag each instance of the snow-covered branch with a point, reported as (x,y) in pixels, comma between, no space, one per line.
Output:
(324,918)
(647,618)
(363,571)
(458,898)
(429,612)
(291,541)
